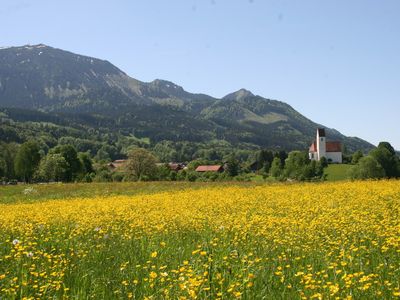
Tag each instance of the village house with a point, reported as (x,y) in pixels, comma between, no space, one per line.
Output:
(118,164)
(173,166)
(176,166)
(332,151)
(210,168)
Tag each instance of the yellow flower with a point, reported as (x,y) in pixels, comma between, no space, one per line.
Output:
(237,294)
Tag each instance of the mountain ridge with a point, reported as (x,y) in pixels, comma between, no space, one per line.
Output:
(51,80)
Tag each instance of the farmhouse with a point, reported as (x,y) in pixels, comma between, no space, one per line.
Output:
(176,166)
(173,166)
(210,168)
(332,151)
(118,164)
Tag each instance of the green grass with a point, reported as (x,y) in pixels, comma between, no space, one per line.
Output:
(336,172)
(28,193)
(257,178)
(39,192)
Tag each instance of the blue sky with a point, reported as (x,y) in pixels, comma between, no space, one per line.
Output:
(336,62)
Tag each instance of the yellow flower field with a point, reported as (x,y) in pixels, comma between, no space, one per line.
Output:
(310,241)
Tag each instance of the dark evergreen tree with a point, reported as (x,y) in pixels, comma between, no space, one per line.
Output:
(264,158)
(86,163)
(232,166)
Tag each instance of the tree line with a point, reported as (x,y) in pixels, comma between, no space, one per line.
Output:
(381,162)
(29,162)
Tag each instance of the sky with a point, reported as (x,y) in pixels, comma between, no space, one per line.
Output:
(335,61)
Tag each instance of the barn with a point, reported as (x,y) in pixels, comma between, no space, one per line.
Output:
(210,168)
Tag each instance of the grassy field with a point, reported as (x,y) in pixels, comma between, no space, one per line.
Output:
(336,172)
(41,192)
(200,241)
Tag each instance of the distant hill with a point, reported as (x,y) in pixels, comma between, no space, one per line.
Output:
(41,84)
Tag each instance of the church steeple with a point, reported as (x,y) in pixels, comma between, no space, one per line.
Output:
(321,143)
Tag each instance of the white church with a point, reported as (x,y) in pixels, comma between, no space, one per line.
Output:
(332,151)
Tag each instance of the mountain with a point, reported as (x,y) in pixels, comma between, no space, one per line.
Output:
(49,85)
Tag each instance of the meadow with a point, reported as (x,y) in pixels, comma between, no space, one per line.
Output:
(201,241)
(337,172)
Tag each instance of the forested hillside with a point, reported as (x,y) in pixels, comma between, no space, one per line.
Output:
(57,97)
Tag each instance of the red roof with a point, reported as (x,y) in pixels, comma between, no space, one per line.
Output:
(330,147)
(175,166)
(313,147)
(213,168)
(333,147)
(119,163)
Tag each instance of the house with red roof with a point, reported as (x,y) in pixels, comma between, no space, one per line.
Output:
(332,151)
(210,168)
(118,164)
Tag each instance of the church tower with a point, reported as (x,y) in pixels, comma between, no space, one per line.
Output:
(321,143)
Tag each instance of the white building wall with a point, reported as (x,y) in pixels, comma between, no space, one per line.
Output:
(336,157)
(321,146)
(312,155)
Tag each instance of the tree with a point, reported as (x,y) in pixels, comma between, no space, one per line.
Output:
(3,168)
(3,162)
(52,167)
(8,153)
(298,166)
(356,157)
(276,168)
(141,163)
(232,166)
(323,162)
(387,146)
(86,163)
(103,174)
(71,157)
(295,164)
(264,160)
(282,156)
(367,168)
(102,156)
(266,167)
(27,160)
(211,155)
(387,158)
(163,172)
(165,151)
(110,150)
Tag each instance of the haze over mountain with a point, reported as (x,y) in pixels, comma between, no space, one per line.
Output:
(86,92)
